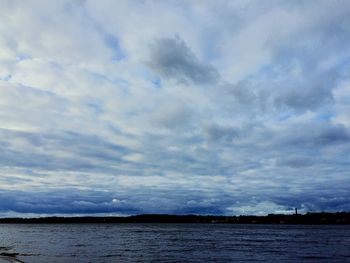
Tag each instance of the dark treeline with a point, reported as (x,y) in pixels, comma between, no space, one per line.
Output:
(309,218)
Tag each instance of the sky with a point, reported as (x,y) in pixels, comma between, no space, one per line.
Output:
(182,107)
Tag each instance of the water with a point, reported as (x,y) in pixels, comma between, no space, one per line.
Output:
(176,243)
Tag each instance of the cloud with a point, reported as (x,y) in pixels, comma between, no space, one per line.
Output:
(221,133)
(297,161)
(260,209)
(224,108)
(318,135)
(172,58)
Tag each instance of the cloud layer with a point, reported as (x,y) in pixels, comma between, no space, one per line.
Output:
(126,107)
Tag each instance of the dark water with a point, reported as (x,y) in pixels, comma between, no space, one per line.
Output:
(177,243)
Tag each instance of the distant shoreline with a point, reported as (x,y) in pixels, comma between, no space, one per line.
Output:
(339,218)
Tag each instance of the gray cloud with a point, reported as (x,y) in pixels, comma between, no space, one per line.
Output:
(173,116)
(297,161)
(317,135)
(172,58)
(217,133)
(60,150)
(307,94)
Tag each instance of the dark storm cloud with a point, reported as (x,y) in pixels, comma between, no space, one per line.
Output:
(172,58)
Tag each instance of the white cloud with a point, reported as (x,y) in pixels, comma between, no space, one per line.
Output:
(262,208)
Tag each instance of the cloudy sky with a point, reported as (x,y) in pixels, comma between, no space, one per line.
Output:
(206,107)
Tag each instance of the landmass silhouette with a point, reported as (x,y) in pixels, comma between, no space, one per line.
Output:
(308,218)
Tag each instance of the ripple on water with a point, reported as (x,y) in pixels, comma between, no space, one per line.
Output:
(174,243)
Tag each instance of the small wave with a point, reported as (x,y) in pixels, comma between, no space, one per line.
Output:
(111,255)
(5,248)
(315,257)
(80,245)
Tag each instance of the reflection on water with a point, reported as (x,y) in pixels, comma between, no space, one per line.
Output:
(175,243)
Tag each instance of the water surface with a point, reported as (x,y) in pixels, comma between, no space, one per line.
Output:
(176,243)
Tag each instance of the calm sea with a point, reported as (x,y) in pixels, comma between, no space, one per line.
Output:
(176,243)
